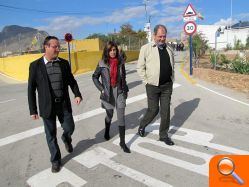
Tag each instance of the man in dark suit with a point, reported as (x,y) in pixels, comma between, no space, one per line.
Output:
(51,76)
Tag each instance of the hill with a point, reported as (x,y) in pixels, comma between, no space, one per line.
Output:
(17,39)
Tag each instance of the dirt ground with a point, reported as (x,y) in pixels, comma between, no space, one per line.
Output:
(205,72)
(231,80)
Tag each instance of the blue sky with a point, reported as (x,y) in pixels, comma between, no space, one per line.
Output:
(104,16)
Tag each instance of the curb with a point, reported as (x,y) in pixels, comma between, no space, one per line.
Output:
(186,75)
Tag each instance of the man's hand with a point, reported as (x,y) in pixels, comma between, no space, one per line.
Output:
(34,116)
(77,100)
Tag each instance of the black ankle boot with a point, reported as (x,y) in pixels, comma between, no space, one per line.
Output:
(107,130)
(122,139)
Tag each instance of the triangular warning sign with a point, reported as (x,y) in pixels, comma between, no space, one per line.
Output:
(189,11)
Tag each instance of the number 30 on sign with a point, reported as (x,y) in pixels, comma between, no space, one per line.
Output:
(190,28)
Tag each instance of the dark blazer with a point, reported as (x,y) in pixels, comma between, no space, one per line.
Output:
(38,80)
(103,70)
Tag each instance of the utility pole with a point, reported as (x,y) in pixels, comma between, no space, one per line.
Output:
(147,25)
(145,5)
(231,14)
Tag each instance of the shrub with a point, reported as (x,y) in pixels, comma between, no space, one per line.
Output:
(214,58)
(224,61)
(240,66)
(238,44)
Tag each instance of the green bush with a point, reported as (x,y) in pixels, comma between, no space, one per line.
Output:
(214,58)
(238,44)
(228,47)
(240,66)
(247,42)
(224,61)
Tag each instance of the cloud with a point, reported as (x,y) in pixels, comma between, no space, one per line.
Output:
(174,31)
(62,24)
(174,10)
(160,12)
(125,15)
(173,1)
(243,16)
(226,22)
(170,19)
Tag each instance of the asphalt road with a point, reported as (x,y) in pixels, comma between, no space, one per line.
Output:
(206,120)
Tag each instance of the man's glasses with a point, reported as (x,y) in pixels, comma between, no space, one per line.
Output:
(55,46)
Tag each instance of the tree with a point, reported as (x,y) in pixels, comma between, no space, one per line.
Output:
(142,37)
(126,37)
(126,30)
(102,37)
(199,45)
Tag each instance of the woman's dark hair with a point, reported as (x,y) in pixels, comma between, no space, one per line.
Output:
(109,45)
(47,39)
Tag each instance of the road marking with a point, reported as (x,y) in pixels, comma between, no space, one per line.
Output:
(47,178)
(190,136)
(196,137)
(241,102)
(135,141)
(35,131)
(192,81)
(6,101)
(103,156)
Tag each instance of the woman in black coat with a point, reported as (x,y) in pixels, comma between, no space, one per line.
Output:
(113,88)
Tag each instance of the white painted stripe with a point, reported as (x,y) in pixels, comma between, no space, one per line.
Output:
(103,156)
(6,101)
(196,137)
(241,102)
(21,136)
(47,178)
(135,141)
(39,130)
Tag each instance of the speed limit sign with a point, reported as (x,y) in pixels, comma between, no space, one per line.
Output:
(190,28)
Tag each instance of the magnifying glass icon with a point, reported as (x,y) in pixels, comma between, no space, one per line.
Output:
(226,167)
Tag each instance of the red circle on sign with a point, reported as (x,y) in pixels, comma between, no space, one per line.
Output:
(190,27)
(68,37)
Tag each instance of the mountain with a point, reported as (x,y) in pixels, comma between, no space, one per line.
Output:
(16,39)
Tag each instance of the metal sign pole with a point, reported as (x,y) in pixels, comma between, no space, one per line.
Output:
(191,54)
(68,38)
(189,16)
(69,54)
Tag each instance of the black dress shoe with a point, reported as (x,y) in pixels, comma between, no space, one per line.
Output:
(56,166)
(167,141)
(141,132)
(69,147)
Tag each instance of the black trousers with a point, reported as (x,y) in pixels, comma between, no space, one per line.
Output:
(156,94)
(67,123)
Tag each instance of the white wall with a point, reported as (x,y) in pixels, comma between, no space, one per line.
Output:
(228,37)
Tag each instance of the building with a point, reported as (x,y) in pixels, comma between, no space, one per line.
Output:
(224,37)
